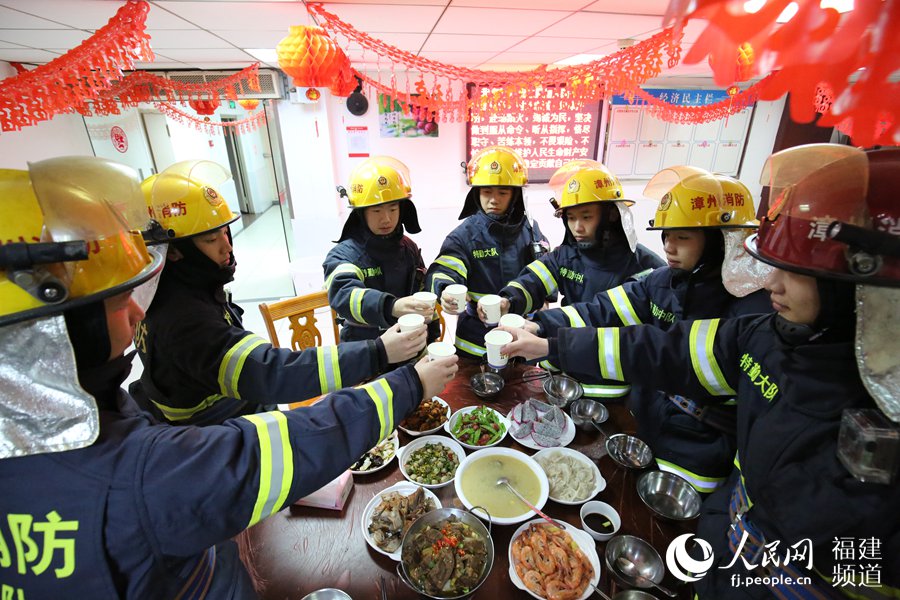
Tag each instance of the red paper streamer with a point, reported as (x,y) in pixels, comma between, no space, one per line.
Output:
(251,123)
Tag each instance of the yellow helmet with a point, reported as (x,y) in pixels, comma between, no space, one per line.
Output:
(737,198)
(69,235)
(184,200)
(497,166)
(379,180)
(689,197)
(584,182)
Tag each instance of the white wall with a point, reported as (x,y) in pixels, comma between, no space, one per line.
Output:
(760,141)
(64,135)
(136,154)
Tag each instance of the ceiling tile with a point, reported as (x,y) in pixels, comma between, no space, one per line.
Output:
(5,44)
(28,55)
(602,25)
(236,15)
(536,58)
(374,19)
(487,20)
(556,44)
(570,5)
(410,42)
(202,54)
(330,8)
(250,38)
(10,18)
(159,65)
(170,38)
(632,7)
(481,43)
(460,58)
(213,65)
(45,38)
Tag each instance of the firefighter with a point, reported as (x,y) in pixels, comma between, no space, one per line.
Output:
(374,270)
(831,232)
(98,501)
(200,365)
(491,246)
(697,213)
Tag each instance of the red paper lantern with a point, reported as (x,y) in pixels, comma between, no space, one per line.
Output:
(311,57)
(732,90)
(743,64)
(205,107)
(249,103)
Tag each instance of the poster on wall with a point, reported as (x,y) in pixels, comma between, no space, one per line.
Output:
(357,141)
(394,122)
(547,134)
(639,145)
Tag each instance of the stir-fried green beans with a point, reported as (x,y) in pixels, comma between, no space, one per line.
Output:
(480,427)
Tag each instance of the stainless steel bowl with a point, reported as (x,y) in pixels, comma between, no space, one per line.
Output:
(327,594)
(669,496)
(432,518)
(645,558)
(487,384)
(633,595)
(562,390)
(629,451)
(585,412)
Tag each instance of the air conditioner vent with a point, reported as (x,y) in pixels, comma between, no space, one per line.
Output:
(270,84)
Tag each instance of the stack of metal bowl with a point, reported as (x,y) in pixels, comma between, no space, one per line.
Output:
(486,384)
(642,555)
(586,412)
(669,496)
(562,390)
(629,451)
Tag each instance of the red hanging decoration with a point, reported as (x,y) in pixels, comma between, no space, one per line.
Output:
(311,57)
(209,126)
(313,95)
(205,107)
(248,104)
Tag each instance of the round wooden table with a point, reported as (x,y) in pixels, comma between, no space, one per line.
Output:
(302,549)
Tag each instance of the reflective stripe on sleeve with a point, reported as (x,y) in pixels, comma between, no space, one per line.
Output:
(469,347)
(233,363)
(181,414)
(528,301)
(608,353)
(701,483)
(383,397)
(544,274)
(436,277)
(575,319)
(276,464)
(454,264)
(549,365)
(329,368)
(622,303)
(605,391)
(703,334)
(356,298)
(344,268)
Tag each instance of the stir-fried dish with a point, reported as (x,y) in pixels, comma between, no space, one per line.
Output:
(445,559)
(377,456)
(432,464)
(429,415)
(393,516)
(550,563)
(480,427)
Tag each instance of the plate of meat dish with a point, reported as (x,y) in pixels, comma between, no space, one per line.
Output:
(391,511)
(427,418)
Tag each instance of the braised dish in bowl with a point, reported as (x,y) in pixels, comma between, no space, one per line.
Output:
(447,553)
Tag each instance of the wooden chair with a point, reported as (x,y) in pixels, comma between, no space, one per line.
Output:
(301,313)
(440,314)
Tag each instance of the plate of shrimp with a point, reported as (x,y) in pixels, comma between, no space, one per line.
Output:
(552,563)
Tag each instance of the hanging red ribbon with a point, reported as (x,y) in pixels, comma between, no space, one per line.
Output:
(251,123)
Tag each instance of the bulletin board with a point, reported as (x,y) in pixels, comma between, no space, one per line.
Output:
(547,135)
(640,145)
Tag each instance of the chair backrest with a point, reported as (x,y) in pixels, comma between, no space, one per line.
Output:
(301,313)
(440,314)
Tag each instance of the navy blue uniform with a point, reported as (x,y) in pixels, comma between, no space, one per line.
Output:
(364,277)
(146,509)
(577,274)
(789,485)
(482,254)
(694,438)
(201,366)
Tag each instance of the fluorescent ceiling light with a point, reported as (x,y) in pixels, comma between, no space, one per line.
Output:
(579,59)
(266,55)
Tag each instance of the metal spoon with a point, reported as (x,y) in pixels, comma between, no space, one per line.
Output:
(504,481)
(631,569)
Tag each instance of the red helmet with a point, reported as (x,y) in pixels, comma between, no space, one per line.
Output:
(832,213)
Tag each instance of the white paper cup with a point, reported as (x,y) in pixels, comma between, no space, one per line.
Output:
(494,340)
(438,350)
(513,321)
(426,297)
(491,306)
(457,292)
(410,322)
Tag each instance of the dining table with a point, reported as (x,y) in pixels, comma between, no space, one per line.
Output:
(302,549)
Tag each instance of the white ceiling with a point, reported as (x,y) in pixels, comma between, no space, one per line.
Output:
(215,34)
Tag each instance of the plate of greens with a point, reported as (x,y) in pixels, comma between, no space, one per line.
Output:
(476,427)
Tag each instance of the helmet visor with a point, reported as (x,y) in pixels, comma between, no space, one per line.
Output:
(86,198)
(693,179)
(558,180)
(818,183)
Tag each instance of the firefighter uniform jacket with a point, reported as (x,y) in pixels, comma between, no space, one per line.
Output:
(482,254)
(694,438)
(789,487)
(364,276)
(147,510)
(578,274)
(201,366)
